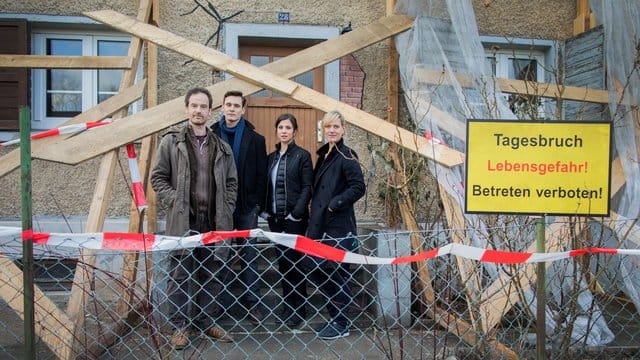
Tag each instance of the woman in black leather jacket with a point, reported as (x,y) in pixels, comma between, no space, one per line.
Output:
(290,179)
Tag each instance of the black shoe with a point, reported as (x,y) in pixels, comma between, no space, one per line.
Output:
(333,330)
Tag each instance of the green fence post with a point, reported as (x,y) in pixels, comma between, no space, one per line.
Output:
(27,233)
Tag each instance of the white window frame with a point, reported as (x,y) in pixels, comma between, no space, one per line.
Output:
(40,120)
(543,51)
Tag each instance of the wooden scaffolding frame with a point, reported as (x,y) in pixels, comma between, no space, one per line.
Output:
(63,331)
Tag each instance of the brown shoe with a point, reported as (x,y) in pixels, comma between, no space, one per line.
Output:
(219,334)
(179,340)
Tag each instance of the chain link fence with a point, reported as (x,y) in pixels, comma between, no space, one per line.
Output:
(448,307)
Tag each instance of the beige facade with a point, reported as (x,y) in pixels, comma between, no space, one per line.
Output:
(61,190)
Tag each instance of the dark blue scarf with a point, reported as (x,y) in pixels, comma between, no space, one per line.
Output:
(236,133)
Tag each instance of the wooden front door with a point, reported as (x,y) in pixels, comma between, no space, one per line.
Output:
(264,107)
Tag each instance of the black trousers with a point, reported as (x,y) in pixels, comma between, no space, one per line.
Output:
(294,282)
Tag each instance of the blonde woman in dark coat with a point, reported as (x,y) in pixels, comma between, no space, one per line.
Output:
(338,183)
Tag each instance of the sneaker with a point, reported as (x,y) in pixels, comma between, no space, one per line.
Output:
(180,339)
(333,330)
(218,333)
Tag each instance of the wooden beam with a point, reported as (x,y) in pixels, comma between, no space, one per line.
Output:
(520,87)
(194,50)
(100,200)
(440,153)
(468,268)
(11,160)
(506,290)
(65,62)
(617,176)
(52,325)
(424,109)
(155,119)
(624,226)
(136,217)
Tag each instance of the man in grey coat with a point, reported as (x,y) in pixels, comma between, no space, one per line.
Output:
(196,181)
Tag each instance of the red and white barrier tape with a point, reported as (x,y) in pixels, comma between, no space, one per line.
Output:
(433,140)
(150,242)
(136,180)
(68,129)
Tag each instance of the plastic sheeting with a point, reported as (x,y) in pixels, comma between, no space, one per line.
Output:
(445,39)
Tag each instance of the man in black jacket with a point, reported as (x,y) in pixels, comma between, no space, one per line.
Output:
(250,155)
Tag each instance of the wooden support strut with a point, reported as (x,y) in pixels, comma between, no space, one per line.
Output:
(65,62)
(136,217)
(440,153)
(157,118)
(11,160)
(55,335)
(521,87)
(53,326)
(99,204)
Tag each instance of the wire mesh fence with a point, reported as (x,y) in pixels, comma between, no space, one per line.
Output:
(449,307)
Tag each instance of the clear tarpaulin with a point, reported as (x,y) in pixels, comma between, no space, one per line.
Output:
(444,42)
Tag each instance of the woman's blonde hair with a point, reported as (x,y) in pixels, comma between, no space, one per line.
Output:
(330,116)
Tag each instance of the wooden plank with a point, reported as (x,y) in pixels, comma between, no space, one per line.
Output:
(521,87)
(145,158)
(506,290)
(448,320)
(52,325)
(468,268)
(136,217)
(617,176)
(446,122)
(440,153)
(172,112)
(621,225)
(580,24)
(152,101)
(100,200)
(65,62)
(11,160)
(194,50)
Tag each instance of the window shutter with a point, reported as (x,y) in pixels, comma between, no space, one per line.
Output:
(584,65)
(14,86)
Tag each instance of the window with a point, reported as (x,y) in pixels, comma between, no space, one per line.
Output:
(59,94)
(305,79)
(521,60)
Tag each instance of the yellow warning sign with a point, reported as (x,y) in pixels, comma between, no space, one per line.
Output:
(526,167)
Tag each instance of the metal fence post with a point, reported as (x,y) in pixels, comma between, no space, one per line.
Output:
(541,332)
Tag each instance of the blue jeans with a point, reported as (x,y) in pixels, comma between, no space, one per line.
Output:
(248,257)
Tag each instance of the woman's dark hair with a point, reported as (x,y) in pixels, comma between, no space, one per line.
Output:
(287,116)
